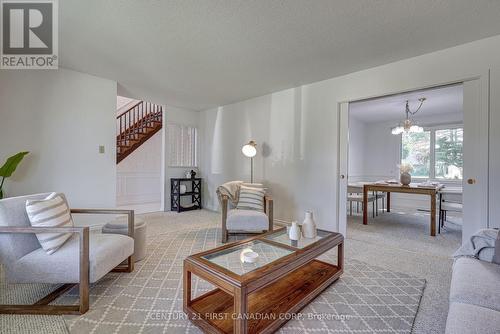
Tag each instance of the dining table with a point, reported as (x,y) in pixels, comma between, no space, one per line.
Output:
(417,189)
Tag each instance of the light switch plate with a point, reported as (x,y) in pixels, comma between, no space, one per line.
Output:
(101,149)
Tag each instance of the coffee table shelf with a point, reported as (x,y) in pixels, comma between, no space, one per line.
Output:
(259,297)
(288,295)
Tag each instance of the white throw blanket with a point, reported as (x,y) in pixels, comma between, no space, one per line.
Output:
(483,245)
(230,189)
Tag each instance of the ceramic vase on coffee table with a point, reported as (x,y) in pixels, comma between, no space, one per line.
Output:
(294,232)
(309,226)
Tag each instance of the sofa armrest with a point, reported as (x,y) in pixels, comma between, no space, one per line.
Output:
(129,213)
(83,233)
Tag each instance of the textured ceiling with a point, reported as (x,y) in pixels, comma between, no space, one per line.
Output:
(203,53)
(442,100)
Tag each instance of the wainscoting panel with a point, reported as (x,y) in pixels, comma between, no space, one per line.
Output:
(138,188)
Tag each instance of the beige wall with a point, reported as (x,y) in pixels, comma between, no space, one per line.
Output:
(61,117)
(297,129)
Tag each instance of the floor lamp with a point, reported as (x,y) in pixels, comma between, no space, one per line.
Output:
(250,150)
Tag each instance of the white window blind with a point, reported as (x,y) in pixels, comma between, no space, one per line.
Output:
(182,143)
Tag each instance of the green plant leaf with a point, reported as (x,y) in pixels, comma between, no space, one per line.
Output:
(11,164)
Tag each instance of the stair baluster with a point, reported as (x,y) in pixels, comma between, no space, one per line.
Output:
(135,126)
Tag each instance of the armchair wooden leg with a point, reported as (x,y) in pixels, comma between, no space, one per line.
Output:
(42,306)
(131,232)
(84,272)
(125,269)
(84,297)
(55,294)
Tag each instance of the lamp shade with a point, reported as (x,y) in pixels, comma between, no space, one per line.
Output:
(250,149)
(397,130)
(416,129)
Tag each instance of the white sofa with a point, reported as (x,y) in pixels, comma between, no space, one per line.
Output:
(474,297)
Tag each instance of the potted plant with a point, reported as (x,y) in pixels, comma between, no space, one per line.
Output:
(405,170)
(9,167)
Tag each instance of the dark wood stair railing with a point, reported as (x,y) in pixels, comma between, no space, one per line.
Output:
(135,126)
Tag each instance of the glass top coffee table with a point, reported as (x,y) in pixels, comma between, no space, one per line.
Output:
(257,297)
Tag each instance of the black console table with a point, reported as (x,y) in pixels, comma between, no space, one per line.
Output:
(194,192)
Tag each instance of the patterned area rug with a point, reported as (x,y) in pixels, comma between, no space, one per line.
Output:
(365,299)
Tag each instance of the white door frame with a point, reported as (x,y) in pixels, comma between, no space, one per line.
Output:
(343,151)
(476,91)
(163,177)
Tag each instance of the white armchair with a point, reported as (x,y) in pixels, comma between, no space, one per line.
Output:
(83,259)
(239,221)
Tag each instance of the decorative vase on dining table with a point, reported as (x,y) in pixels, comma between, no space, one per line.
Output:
(405,179)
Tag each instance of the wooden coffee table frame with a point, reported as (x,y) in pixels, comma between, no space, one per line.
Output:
(280,288)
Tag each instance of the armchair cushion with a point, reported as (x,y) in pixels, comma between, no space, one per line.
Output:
(247,220)
(52,211)
(251,198)
(106,251)
(13,214)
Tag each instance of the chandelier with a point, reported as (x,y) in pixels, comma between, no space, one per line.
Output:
(408,125)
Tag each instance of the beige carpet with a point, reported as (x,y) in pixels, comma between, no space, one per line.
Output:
(366,298)
(400,241)
(361,246)
(409,230)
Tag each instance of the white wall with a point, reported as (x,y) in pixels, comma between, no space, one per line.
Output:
(139,174)
(61,117)
(295,149)
(381,149)
(298,127)
(357,152)
(185,117)
(123,103)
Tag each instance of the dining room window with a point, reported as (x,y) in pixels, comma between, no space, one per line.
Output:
(416,152)
(436,153)
(449,161)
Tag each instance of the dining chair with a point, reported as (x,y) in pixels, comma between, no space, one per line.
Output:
(450,200)
(355,195)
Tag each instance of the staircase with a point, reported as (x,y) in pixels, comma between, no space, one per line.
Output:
(135,126)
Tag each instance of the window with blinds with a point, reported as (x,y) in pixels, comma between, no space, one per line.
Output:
(182,141)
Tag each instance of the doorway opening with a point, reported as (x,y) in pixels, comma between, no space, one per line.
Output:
(389,134)
(139,148)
